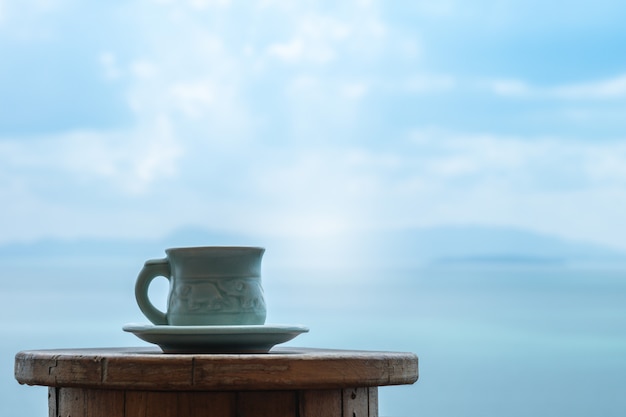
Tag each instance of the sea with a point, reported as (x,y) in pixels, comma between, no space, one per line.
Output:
(494,339)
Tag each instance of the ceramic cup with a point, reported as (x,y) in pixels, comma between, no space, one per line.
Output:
(212,285)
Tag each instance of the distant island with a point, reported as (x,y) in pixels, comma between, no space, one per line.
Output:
(500,259)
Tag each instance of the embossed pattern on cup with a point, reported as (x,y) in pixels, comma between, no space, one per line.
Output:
(237,300)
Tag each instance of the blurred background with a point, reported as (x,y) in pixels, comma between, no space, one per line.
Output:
(439,177)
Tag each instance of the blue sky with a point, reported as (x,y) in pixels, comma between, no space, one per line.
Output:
(130,119)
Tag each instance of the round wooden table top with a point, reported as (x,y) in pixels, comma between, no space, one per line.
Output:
(150,369)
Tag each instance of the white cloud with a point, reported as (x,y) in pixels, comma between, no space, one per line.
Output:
(144,69)
(552,185)
(606,89)
(204,4)
(354,90)
(436,8)
(291,51)
(130,162)
(209,95)
(31,20)
(194,98)
(422,83)
(321,38)
(523,163)
(511,87)
(110,66)
(317,191)
(317,40)
(602,89)
(606,165)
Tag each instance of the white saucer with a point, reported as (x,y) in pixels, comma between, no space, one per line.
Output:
(215,339)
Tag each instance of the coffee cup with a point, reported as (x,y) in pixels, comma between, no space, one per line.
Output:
(210,285)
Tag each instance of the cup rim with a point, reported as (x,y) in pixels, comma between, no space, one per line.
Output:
(215,248)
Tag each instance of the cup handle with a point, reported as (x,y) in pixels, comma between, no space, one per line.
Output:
(151,269)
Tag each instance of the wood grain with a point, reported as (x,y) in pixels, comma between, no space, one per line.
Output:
(78,402)
(210,404)
(320,403)
(266,404)
(150,404)
(144,369)
(356,402)
(52,402)
(373,401)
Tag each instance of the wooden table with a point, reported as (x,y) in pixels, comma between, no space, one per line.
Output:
(133,382)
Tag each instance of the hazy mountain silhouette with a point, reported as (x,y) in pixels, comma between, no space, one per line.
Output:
(145,248)
(449,244)
(471,244)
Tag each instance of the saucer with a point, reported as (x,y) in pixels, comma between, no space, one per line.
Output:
(215,339)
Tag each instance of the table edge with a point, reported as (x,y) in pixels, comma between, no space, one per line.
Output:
(282,368)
